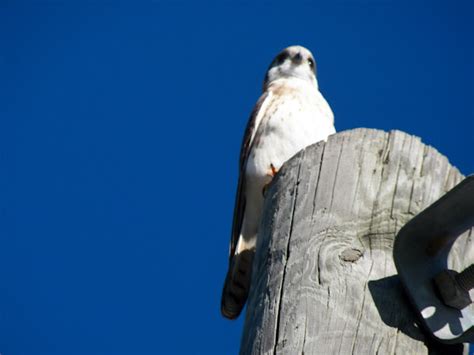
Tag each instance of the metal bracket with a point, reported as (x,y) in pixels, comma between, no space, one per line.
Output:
(421,252)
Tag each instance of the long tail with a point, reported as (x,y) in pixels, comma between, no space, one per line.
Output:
(237,284)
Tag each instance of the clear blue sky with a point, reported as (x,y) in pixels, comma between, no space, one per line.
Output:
(121,124)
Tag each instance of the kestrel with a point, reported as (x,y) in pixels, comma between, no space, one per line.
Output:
(290,115)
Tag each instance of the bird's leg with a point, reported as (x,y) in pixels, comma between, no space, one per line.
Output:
(272,172)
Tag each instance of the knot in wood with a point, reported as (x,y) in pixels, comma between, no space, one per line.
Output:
(350,255)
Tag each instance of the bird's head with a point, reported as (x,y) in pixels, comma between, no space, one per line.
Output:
(292,62)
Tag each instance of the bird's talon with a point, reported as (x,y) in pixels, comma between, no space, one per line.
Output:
(274,170)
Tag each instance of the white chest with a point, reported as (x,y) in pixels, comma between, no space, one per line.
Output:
(290,122)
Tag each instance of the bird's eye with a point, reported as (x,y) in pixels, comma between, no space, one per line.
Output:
(311,63)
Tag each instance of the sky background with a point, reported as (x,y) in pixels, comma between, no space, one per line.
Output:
(120,129)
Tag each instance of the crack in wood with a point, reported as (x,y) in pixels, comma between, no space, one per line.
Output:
(396,183)
(318,179)
(287,255)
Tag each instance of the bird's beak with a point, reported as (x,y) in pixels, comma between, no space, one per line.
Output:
(297,58)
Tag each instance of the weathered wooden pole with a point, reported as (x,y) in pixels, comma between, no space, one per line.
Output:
(324,281)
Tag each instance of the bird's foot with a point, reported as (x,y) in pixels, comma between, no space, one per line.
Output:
(272,172)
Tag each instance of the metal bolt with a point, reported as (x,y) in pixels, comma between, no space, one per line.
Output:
(453,287)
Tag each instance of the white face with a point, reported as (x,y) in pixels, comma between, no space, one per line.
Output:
(292,62)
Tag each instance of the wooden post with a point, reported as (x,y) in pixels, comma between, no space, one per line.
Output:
(324,281)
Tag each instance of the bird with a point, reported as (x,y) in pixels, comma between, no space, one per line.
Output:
(290,114)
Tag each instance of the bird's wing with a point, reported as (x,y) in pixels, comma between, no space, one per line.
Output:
(244,153)
(325,108)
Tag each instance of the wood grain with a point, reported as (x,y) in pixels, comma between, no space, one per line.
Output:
(324,279)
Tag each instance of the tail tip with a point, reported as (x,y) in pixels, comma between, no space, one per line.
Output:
(230,311)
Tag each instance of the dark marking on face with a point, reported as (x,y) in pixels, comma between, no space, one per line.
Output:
(297,58)
(280,58)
